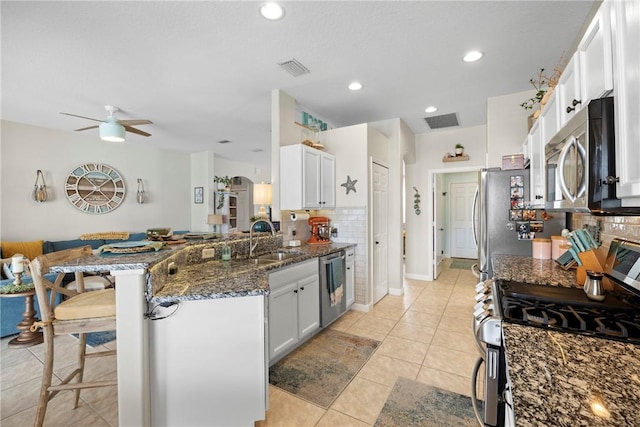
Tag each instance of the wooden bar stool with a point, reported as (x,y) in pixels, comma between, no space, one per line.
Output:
(80,313)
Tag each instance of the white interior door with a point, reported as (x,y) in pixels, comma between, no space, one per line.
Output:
(438,224)
(461,232)
(380,214)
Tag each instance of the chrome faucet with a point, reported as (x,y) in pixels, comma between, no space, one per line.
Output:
(253,246)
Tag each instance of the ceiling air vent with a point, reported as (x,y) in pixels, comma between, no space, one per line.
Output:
(442,121)
(224,141)
(294,67)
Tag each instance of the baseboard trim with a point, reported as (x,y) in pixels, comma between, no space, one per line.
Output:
(418,277)
(361,307)
(396,292)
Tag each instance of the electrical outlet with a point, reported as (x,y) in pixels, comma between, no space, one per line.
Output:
(173,268)
(208,253)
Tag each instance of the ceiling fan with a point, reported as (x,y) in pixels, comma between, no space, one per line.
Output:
(112,129)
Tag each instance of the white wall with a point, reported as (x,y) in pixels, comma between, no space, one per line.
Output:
(349,145)
(506,125)
(25,149)
(201,173)
(430,149)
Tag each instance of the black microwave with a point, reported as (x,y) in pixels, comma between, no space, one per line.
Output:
(581,165)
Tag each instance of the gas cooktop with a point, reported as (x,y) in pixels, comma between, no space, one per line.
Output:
(617,317)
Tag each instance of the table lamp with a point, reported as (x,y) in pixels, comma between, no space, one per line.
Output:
(215,220)
(262,196)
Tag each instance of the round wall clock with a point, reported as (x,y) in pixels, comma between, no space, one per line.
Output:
(95,188)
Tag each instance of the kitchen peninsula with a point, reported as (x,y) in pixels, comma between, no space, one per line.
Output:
(561,378)
(224,304)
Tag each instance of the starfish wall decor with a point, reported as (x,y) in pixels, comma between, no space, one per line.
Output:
(350,184)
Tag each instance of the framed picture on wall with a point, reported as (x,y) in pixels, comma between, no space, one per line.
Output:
(198,195)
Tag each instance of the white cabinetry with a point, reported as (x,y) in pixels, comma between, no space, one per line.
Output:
(536,164)
(550,118)
(568,90)
(350,276)
(589,73)
(208,363)
(294,307)
(626,28)
(307,178)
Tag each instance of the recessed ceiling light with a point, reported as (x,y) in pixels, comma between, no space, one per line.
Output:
(472,56)
(431,109)
(272,11)
(355,86)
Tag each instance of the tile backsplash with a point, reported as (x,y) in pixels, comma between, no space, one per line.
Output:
(626,227)
(352,228)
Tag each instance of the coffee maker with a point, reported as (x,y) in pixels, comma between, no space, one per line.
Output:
(320,230)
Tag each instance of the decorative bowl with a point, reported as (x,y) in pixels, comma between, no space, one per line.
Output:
(159,233)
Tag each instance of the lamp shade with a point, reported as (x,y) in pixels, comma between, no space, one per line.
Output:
(111,130)
(214,219)
(262,194)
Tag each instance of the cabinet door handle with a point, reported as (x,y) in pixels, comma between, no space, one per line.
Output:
(295,291)
(302,288)
(348,268)
(573,105)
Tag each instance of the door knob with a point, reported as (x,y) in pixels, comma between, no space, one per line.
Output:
(377,243)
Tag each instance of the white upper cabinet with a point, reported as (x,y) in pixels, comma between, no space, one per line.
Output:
(307,178)
(596,58)
(626,29)
(536,164)
(589,73)
(550,118)
(568,90)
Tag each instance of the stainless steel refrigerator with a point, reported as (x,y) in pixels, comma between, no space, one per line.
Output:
(500,202)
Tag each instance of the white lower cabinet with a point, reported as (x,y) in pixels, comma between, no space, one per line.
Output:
(208,363)
(294,307)
(350,277)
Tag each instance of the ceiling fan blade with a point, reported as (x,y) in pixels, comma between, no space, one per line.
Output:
(82,117)
(135,122)
(89,127)
(134,130)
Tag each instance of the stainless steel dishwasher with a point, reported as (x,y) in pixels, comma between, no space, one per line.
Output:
(329,313)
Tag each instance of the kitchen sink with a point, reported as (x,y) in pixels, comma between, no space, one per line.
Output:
(278,256)
(262,261)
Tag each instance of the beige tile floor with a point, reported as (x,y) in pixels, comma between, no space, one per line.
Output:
(425,334)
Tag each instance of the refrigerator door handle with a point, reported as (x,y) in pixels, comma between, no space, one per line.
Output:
(474,224)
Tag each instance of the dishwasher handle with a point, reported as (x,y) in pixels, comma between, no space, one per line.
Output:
(329,258)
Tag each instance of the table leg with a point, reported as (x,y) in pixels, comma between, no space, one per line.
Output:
(26,338)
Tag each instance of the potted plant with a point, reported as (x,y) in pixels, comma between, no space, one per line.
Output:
(459,150)
(223,182)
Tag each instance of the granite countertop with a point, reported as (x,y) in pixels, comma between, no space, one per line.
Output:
(530,270)
(233,278)
(196,279)
(546,390)
(549,392)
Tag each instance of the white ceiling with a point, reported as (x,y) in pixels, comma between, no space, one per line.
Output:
(204,71)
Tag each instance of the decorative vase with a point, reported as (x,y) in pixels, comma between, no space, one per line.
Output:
(459,151)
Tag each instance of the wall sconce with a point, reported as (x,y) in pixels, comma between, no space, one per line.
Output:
(262,196)
(39,188)
(140,193)
(215,220)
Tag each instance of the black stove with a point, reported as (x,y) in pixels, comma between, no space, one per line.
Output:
(569,310)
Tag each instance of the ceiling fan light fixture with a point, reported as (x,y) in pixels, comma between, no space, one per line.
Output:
(111,131)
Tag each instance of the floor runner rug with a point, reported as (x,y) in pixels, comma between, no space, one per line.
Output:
(412,403)
(320,369)
(95,339)
(462,264)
